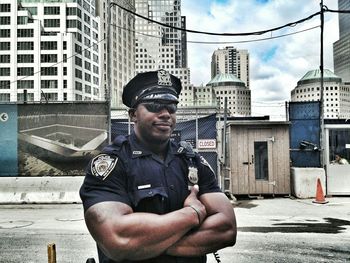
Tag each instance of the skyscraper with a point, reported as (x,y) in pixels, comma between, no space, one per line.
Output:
(341,48)
(122,49)
(160,46)
(49,51)
(230,60)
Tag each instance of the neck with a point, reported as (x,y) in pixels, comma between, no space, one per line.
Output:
(156,147)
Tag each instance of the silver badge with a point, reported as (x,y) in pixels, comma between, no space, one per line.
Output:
(193,175)
(102,165)
(164,78)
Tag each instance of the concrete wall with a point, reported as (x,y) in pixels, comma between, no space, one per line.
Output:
(40,189)
(304,181)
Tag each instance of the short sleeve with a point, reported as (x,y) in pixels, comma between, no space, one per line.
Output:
(207,180)
(105,180)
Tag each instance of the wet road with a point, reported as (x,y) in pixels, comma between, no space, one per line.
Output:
(269,230)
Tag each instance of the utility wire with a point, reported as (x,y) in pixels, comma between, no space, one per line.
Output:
(221,42)
(253,40)
(219,34)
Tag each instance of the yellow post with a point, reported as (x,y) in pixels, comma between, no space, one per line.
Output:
(51,252)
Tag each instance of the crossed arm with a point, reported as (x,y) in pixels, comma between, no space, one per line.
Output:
(123,234)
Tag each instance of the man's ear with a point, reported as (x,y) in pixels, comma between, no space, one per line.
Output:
(132,114)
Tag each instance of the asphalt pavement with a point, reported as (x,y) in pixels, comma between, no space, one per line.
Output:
(269,230)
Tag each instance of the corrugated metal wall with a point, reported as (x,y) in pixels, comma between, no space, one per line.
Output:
(305,126)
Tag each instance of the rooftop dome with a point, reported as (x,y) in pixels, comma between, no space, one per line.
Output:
(224,79)
(313,76)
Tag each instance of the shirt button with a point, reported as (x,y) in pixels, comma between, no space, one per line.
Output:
(172,187)
(150,192)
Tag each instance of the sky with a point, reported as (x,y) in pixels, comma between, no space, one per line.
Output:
(276,64)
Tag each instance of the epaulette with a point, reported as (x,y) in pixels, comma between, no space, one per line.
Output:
(187,149)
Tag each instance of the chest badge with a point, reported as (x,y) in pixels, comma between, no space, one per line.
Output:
(102,165)
(192,176)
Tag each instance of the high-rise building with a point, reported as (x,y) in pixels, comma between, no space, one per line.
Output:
(122,50)
(228,86)
(230,60)
(336,95)
(161,47)
(49,50)
(341,48)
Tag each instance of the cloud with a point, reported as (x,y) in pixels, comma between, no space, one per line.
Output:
(276,64)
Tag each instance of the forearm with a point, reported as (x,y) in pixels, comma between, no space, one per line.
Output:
(137,236)
(215,233)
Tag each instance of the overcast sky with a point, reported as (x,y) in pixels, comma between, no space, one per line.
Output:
(275,64)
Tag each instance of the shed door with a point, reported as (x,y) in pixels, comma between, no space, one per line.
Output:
(260,169)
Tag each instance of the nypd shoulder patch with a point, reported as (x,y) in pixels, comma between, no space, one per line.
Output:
(102,165)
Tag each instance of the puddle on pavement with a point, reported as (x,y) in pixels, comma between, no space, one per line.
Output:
(330,226)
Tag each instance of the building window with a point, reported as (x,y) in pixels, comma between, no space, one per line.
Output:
(25,71)
(78,73)
(5,20)
(78,61)
(4,8)
(64,83)
(5,33)
(4,84)
(48,71)
(78,49)
(25,58)
(49,84)
(4,58)
(48,58)
(65,71)
(87,77)
(73,11)
(4,97)
(49,96)
(78,86)
(25,45)
(22,20)
(5,45)
(32,10)
(51,10)
(25,84)
(48,45)
(52,23)
(25,32)
(5,71)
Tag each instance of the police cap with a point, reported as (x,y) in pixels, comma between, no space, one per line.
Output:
(153,85)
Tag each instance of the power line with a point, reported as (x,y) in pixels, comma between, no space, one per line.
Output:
(218,34)
(253,40)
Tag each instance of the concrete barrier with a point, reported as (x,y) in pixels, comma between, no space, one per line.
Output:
(56,189)
(304,181)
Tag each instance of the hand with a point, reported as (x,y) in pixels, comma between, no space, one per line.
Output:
(193,201)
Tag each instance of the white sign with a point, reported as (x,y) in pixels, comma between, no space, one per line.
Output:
(207,144)
(4,116)
(347,146)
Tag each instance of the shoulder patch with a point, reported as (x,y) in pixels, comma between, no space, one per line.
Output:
(102,165)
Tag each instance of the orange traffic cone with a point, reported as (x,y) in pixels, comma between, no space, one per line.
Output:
(319,194)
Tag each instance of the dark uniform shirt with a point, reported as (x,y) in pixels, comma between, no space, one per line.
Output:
(127,172)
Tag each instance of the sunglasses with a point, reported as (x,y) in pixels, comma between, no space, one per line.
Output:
(157,107)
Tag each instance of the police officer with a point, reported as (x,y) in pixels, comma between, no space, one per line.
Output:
(149,199)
